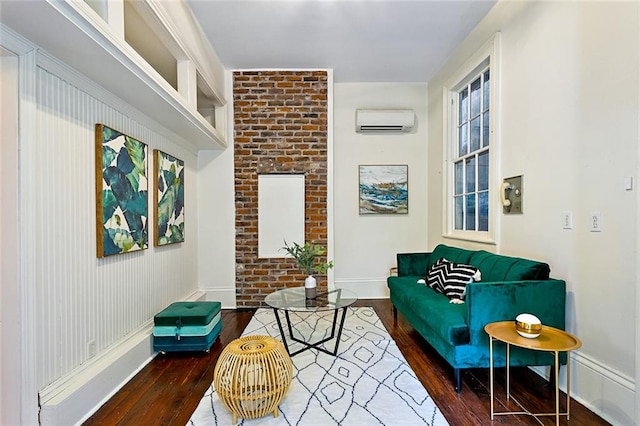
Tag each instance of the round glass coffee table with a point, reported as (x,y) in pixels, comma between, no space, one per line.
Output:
(294,300)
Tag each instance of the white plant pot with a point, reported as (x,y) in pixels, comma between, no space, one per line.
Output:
(310,282)
(310,287)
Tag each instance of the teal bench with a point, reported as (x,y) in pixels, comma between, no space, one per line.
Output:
(187,326)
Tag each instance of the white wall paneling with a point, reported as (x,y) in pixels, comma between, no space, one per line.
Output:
(75,301)
(28,237)
(9,288)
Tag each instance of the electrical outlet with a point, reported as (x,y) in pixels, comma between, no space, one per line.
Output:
(596,222)
(91,346)
(567,220)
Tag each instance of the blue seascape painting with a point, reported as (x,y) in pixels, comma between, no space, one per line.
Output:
(384,190)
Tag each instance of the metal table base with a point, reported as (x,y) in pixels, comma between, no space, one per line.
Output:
(314,345)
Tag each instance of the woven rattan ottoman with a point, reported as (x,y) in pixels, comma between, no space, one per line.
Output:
(252,376)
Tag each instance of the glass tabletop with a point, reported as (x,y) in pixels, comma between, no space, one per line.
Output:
(293,299)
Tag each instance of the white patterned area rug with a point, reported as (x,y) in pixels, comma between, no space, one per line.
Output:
(368,383)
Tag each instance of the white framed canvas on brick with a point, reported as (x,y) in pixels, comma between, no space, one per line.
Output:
(281,212)
(383,189)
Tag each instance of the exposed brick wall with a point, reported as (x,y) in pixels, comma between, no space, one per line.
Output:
(280,127)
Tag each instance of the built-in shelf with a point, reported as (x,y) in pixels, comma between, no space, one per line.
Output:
(76,34)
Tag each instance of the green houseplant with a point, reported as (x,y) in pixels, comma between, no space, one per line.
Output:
(306,256)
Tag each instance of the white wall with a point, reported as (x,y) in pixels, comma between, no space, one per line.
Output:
(365,246)
(216,218)
(569,124)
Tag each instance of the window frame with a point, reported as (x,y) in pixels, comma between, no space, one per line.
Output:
(486,57)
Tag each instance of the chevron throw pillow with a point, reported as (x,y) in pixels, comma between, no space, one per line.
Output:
(451,278)
(435,275)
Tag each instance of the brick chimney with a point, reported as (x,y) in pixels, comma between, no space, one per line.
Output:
(280,126)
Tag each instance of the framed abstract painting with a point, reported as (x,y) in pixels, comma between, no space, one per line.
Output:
(121,192)
(168,199)
(383,189)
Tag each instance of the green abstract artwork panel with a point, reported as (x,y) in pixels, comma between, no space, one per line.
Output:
(169,199)
(122,192)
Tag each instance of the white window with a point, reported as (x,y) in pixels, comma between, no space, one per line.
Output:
(471,155)
(470,162)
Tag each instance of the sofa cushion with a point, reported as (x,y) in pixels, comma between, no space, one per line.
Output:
(453,254)
(451,278)
(411,264)
(447,320)
(435,275)
(456,284)
(496,267)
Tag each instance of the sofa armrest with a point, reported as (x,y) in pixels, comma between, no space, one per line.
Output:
(501,301)
(412,264)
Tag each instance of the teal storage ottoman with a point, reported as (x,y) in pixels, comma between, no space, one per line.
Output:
(187,326)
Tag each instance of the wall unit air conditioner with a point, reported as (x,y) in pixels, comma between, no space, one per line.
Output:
(384,120)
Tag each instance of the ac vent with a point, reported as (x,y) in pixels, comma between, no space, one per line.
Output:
(382,129)
(384,121)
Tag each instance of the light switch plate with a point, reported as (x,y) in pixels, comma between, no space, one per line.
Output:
(596,222)
(567,220)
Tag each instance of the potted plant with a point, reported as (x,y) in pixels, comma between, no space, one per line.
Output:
(306,256)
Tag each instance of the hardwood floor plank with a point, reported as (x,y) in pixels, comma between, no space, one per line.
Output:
(168,390)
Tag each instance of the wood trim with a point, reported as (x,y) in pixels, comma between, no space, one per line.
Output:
(99,206)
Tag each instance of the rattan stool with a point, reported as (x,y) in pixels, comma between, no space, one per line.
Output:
(252,376)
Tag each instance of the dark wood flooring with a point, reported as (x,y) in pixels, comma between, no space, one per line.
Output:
(168,389)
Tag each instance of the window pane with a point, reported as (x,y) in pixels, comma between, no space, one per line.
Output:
(463,103)
(475,134)
(485,129)
(462,140)
(483,211)
(483,171)
(487,90)
(458,178)
(471,174)
(470,218)
(475,97)
(458,212)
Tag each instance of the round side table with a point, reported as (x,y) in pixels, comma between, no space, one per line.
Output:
(252,376)
(550,340)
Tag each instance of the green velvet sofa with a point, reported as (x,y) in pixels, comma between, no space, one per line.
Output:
(508,286)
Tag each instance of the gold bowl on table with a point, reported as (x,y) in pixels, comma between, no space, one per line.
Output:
(528,325)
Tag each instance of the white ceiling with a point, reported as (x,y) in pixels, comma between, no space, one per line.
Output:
(361,40)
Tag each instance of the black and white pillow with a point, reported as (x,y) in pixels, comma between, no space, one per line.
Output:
(451,279)
(435,275)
